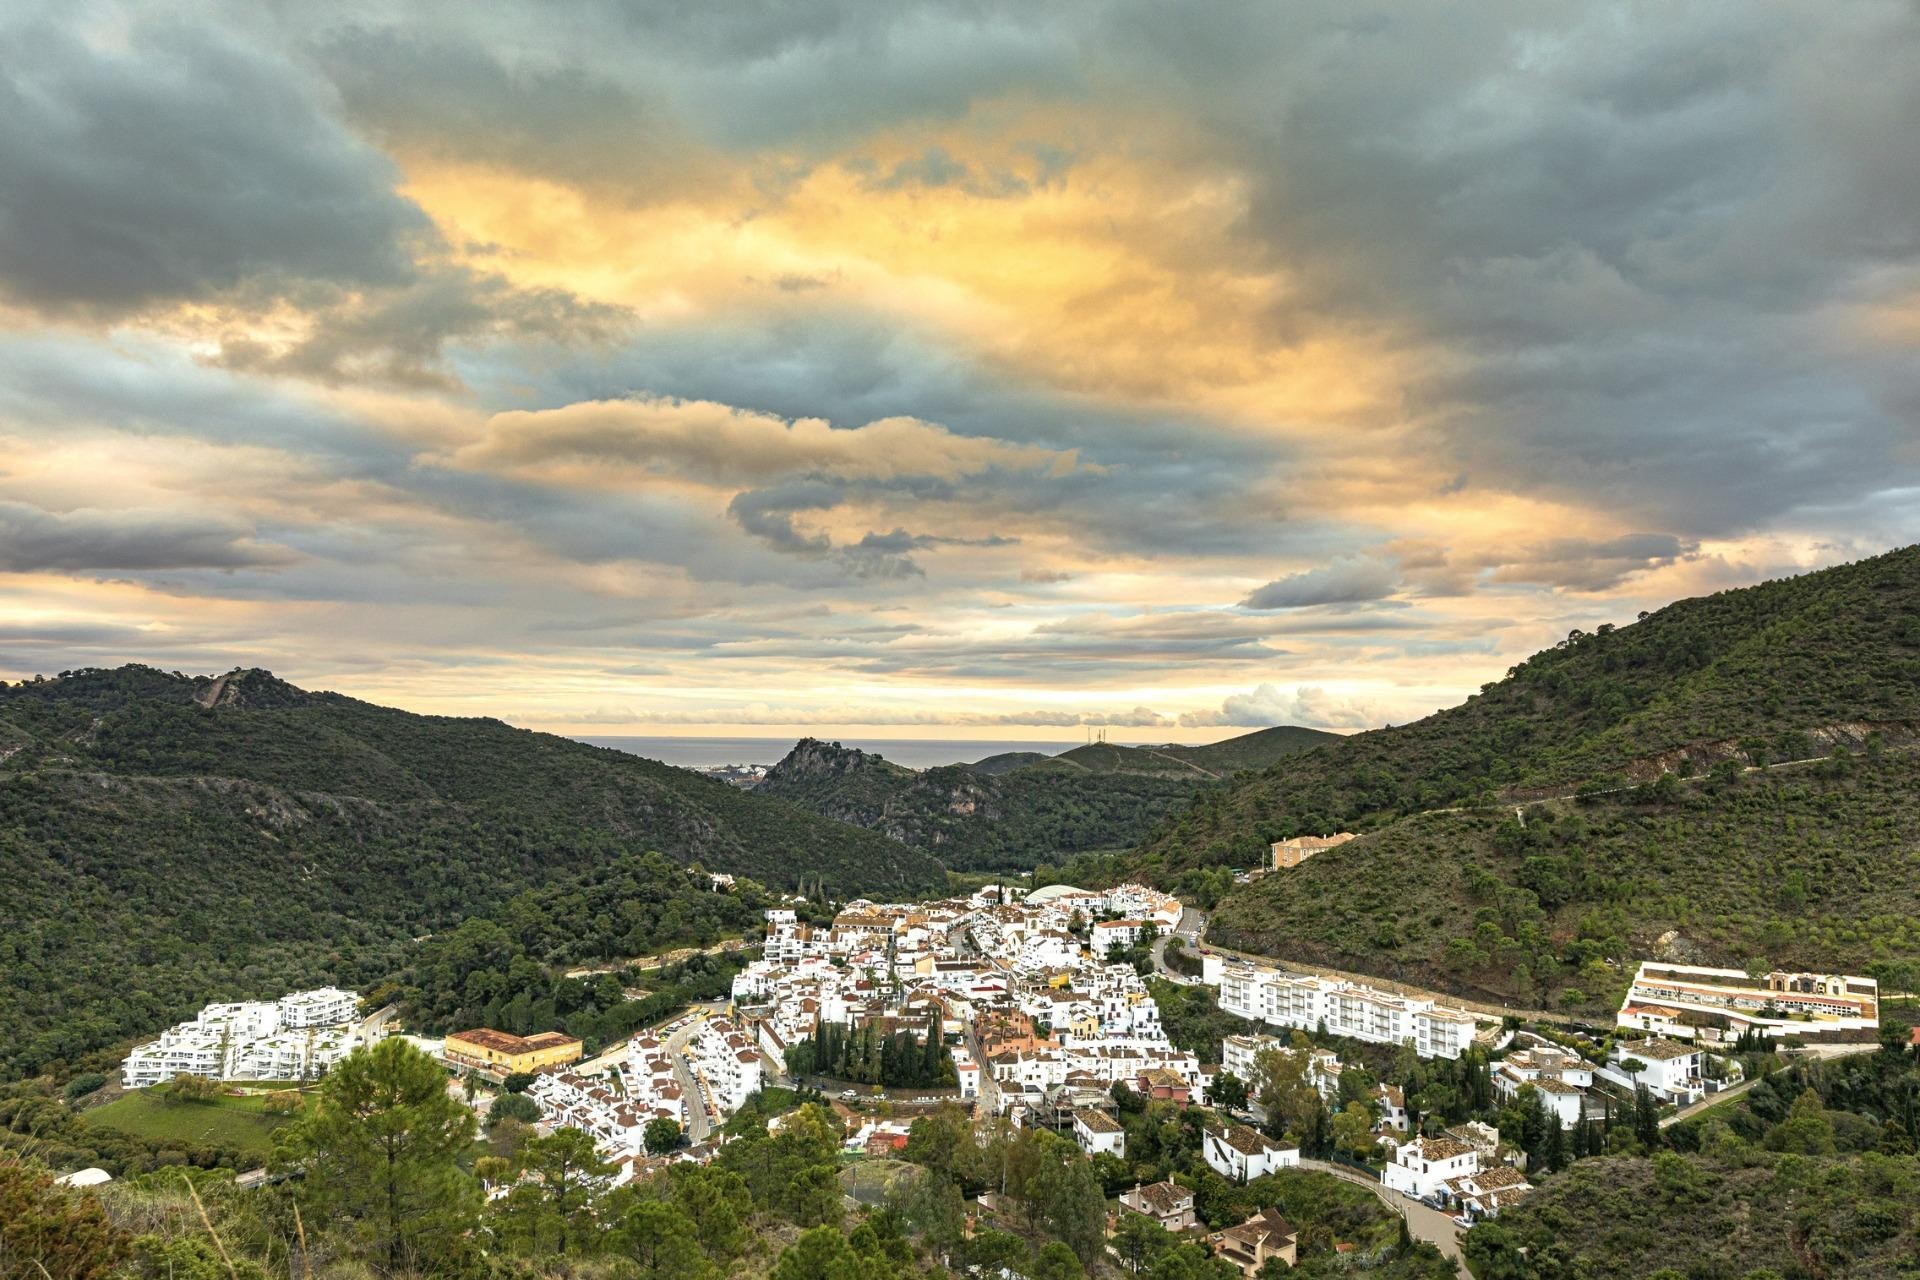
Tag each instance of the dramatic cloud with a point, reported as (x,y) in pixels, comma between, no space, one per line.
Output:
(172,164)
(86,541)
(1002,367)
(1345,581)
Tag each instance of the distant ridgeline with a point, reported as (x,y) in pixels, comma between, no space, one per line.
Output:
(1731,779)
(171,839)
(1016,810)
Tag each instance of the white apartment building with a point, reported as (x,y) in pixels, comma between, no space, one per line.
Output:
(298,1037)
(1343,1008)
(726,1062)
(1240,1055)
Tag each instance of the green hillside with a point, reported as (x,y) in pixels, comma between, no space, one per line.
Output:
(1013,811)
(1785,668)
(169,839)
(1809,866)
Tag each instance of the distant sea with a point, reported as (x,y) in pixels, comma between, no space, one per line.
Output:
(914,753)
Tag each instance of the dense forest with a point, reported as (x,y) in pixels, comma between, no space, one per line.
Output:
(1799,665)
(1014,811)
(171,840)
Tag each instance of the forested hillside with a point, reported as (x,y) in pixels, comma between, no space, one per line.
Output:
(1784,669)
(1811,866)
(170,839)
(1013,811)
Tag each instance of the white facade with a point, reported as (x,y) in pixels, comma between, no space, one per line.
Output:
(1694,1002)
(1670,1070)
(1561,1079)
(1243,1154)
(727,1063)
(1343,1008)
(298,1037)
(1097,1133)
(1421,1167)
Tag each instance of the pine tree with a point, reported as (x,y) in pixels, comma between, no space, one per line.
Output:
(379,1147)
(1646,1118)
(1556,1145)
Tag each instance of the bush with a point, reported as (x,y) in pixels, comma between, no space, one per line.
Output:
(82,1085)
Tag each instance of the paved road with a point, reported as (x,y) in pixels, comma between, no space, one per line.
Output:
(1808,1051)
(699,1122)
(1188,931)
(1423,1222)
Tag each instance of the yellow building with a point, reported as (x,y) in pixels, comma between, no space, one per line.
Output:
(498,1055)
(1291,853)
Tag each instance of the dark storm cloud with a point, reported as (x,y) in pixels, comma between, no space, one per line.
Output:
(178,168)
(84,541)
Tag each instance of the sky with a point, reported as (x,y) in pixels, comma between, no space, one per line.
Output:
(975,369)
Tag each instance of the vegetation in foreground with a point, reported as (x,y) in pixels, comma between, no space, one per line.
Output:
(384,1172)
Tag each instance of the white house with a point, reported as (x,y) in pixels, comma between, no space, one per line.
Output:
(967,1071)
(1559,1077)
(1238,1152)
(1669,1069)
(1098,1132)
(1422,1167)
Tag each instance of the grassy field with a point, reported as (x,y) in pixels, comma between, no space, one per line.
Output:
(237,1122)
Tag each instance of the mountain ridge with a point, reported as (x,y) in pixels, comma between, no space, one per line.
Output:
(1015,814)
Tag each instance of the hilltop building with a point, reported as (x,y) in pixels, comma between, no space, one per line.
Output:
(1291,853)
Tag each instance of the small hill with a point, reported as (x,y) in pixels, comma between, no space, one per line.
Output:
(1779,669)
(1008,761)
(1809,867)
(169,837)
(1014,811)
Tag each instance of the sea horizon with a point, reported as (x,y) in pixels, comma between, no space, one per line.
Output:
(914,753)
